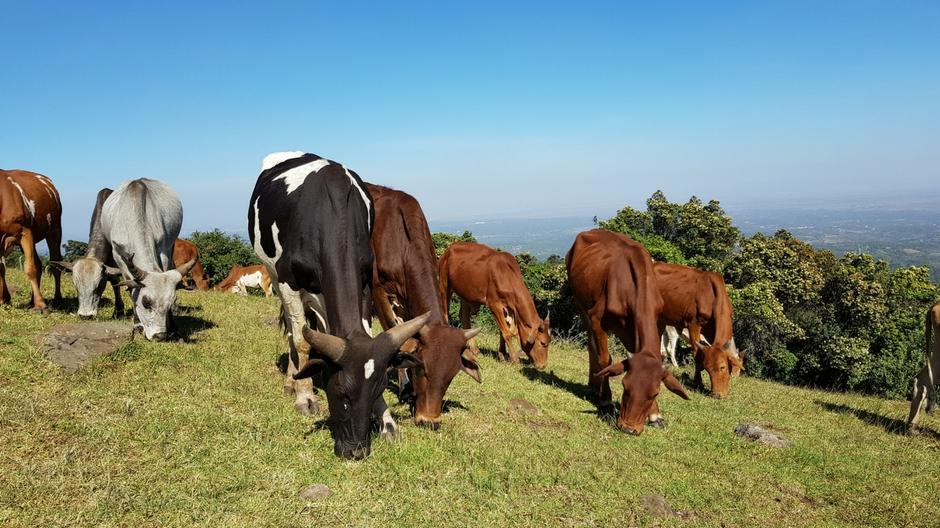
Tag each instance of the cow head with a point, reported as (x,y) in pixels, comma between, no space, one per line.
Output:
(354,370)
(154,294)
(443,350)
(536,345)
(90,276)
(641,385)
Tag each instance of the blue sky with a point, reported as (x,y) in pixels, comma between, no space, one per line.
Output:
(478,109)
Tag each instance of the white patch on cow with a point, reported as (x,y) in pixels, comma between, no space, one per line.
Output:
(296,177)
(49,218)
(367,326)
(249,280)
(369,368)
(268,261)
(294,308)
(276,158)
(317,303)
(365,197)
(278,250)
(30,205)
(388,423)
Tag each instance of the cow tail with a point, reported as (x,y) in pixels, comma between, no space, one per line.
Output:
(928,333)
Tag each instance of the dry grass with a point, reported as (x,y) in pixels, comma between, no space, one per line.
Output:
(197,433)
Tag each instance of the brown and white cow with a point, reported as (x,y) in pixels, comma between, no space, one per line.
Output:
(30,211)
(405,284)
(480,275)
(925,383)
(183,252)
(614,287)
(243,277)
(697,300)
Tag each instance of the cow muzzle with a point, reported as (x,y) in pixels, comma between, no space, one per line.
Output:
(352,453)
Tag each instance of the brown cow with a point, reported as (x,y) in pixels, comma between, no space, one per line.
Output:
(183,252)
(697,300)
(405,284)
(243,277)
(30,211)
(614,287)
(480,275)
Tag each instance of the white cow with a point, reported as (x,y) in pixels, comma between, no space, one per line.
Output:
(925,383)
(669,340)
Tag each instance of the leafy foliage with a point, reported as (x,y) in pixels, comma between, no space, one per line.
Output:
(442,241)
(73,250)
(219,251)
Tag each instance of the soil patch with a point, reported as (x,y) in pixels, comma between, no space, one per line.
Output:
(72,346)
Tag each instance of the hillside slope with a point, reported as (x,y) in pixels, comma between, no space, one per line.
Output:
(197,433)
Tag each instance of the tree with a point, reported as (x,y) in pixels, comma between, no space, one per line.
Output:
(442,241)
(219,251)
(73,250)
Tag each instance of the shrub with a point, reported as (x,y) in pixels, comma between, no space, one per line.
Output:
(219,251)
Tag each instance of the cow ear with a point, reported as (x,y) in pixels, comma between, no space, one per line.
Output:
(61,265)
(404,360)
(310,368)
(469,365)
(673,385)
(130,284)
(614,369)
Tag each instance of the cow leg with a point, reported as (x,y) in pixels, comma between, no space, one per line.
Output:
(694,334)
(32,268)
(506,325)
(668,341)
(118,300)
(4,291)
(467,311)
(599,359)
(305,402)
(387,426)
(54,241)
(924,389)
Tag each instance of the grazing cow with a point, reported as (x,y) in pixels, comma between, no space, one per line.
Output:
(697,300)
(96,269)
(183,252)
(925,383)
(243,277)
(310,222)
(480,275)
(614,287)
(141,221)
(406,283)
(30,211)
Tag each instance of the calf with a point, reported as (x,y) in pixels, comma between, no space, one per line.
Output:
(697,300)
(406,283)
(310,221)
(141,221)
(30,211)
(614,287)
(96,269)
(925,383)
(183,252)
(480,275)
(240,278)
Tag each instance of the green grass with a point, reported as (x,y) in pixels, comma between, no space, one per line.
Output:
(198,433)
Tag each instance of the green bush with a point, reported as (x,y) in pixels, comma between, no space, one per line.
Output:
(219,251)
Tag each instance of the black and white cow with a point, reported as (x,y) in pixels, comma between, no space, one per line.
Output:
(96,269)
(310,222)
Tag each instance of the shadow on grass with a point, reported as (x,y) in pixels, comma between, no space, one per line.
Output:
(187,325)
(606,414)
(891,425)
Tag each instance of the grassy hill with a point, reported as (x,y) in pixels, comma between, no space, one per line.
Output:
(197,433)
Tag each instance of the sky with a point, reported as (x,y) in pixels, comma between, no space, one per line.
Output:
(480,110)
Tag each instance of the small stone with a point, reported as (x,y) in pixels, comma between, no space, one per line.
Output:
(519,404)
(657,505)
(315,492)
(762,435)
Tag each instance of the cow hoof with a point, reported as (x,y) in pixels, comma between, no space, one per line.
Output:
(659,423)
(43,310)
(913,430)
(390,433)
(307,407)
(629,430)
(289,389)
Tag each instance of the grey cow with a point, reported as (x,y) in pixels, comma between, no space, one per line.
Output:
(92,272)
(142,220)
(925,383)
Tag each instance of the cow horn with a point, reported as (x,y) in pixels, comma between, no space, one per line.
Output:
(66,266)
(111,271)
(471,333)
(400,333)
(184,269)
(128,258)
(548,317)
(328,346)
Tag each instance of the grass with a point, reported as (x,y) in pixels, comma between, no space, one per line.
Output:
(197,433)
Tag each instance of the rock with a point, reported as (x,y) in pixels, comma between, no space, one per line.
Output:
(763,435)
(657,505)
(72,346)
(519,404)
(315,492)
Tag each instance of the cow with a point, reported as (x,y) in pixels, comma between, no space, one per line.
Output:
(925,383)
(183,252)
(310,221)
(243,277)
(92,272)
(480,275)
(697,300)
(406,283)
(614,288)
(30,211)
(141,220)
